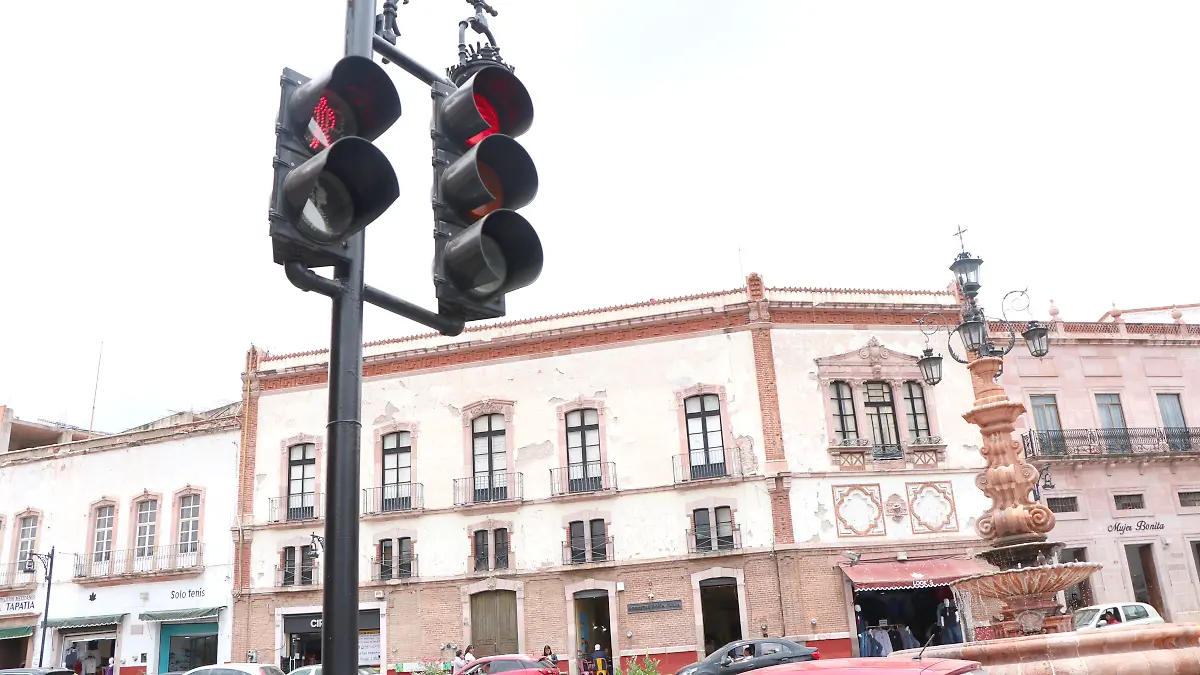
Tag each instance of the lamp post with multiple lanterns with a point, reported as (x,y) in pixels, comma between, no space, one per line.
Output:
(1016,519)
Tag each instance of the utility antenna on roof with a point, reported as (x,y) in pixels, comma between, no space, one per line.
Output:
(96,390)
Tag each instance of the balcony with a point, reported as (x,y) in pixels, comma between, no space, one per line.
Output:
(688,468)
(147,561)
(583,478)
(1124,442)
(19,574)
(304,575)
(488,488)
(396,567)
(703,540)
(583,551)
(296,508)
(393,498)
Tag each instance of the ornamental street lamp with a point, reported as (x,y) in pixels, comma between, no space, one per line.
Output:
(29,566)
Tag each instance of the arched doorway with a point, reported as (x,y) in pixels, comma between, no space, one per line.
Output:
(494,622)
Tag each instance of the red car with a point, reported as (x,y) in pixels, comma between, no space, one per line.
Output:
(516,664)
(877,666)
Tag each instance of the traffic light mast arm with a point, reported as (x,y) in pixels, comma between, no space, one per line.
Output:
(308,280)
(393,54)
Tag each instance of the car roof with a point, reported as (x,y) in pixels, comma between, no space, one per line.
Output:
(876,666)
(1110,605)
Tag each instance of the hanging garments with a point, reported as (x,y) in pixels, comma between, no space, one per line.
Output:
(885,641)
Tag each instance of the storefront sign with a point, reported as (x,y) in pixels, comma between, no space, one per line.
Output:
(368,648)
(1139,526)
(657,606)
(18,604)
(187,594)
(368,619)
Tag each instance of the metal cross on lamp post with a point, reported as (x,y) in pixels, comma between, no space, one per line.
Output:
(30,567)
(1014,517)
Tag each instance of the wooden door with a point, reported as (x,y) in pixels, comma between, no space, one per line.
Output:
(1152,588)
(494,623)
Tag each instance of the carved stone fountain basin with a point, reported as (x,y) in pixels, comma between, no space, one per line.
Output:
(1026,581)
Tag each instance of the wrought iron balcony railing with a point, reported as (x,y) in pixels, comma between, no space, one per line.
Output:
(141,560)
(497,486)
(887,451)
(692,466)
(299,507)
(481,561)
(19,573)
(301,574)
(582,478)
(580,551)
(709,539)
(1119,442)
(393,498)
(394,567)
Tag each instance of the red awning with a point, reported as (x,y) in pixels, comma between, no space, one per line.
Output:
(897,575)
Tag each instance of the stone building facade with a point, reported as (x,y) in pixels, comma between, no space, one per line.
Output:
(654,478)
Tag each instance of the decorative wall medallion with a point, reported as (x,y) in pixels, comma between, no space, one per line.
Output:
(858,510)
(931,506)
(896,507)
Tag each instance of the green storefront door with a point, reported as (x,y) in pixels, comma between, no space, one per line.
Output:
(183,646)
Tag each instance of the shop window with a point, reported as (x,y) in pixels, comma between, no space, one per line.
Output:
(1063,504)
(1135,502)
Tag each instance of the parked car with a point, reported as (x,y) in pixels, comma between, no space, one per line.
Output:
(236,669)
(746,655)
(36,671)
(316,670)
(513,664)
(1127,614)
(877,666)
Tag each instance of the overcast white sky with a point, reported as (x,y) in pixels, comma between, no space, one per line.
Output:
(835,143)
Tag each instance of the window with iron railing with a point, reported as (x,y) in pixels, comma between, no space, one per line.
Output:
(500,539)
(102,542)
(489,449)
(713,530)
(302,482)
(706,445)
(147,526)
(1133,502)
(583,451)
(1189,498)
(189,523)
(298,565)
(395,559)
(397,472)
(845,422)
(1063,504)
(26,537)
(481,550)
(881,418)
(587,541)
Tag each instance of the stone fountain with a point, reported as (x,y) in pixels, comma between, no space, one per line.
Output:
(1034,637)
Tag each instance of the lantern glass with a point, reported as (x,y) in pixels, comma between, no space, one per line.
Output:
(931,367)
(1037,339)
(966,271)
(973,333)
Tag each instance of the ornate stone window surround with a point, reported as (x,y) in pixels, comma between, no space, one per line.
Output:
(91,525)
(490,526)
(581,403)
(176,500)
(16,535)
(159,530)
(732,460)
(876,363)
(490,406)
(284,447)
(413,429)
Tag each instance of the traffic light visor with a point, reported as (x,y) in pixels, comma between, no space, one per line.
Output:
(493,101)
(340,191)
(500,253)
(356,98)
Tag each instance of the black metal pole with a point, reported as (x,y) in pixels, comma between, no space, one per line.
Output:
(339,628)
(46,609)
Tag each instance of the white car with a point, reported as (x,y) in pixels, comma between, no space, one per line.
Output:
(236,669)
(1125,613)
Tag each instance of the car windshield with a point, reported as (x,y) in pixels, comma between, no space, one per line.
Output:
(1084,617)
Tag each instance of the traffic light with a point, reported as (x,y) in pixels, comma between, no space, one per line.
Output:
(330,180)
(483,247)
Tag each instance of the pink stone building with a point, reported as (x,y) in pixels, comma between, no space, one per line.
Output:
(1113,422)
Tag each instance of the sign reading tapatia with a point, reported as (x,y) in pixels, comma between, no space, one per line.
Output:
(18,604)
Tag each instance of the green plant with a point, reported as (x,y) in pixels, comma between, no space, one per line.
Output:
(648,666)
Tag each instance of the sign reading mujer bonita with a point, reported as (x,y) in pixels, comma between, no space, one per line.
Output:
(1139,526)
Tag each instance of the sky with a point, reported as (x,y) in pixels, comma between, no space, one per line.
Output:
(680,146)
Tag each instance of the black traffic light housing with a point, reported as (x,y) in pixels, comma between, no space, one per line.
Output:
(483,247)
(330,180)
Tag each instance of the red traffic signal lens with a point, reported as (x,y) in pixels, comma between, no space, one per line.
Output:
(488,112)
(331,120)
